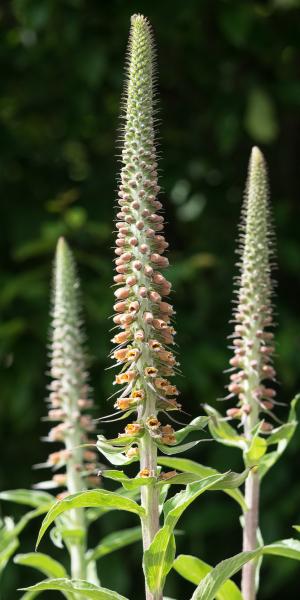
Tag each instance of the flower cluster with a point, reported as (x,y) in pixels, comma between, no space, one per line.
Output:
(142,315)
(253,341)
(69,399)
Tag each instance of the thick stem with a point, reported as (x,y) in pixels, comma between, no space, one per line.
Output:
(251,517)
(74,483)
(149,493)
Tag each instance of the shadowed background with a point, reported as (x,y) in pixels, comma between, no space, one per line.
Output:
(228,79)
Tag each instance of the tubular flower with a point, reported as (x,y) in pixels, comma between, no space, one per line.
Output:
(252,364)
(69,391)
(142,315)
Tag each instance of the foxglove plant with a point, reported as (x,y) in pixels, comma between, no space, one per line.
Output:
(252,373)
(144,341)
(75,466)
(144,356)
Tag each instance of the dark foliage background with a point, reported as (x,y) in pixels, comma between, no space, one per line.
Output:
(229,78)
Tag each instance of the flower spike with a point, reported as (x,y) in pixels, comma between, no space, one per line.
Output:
(69,390)
(143,316)
(253,340)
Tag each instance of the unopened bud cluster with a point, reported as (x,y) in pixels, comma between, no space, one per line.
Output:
(142,314)
(253,341)
(69,391)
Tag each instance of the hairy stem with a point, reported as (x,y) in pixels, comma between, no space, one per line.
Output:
(253,343)
(77,545)
(149,493)
(251,517)
(68,399)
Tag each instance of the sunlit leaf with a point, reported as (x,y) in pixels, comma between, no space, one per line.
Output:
(87,499)
(210,585)
(185,464)
(42,562)
(127,482)
(194,570)
(28,497)
(223,432)
(159,557)
(88,590)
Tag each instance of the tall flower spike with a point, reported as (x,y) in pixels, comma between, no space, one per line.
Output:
(253,342)
(142,315)
(68,398)
(253,371)
(144,318)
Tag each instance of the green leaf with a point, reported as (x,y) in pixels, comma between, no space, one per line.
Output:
(282,437)
(210,585)
(87,499)
(289,548)
(89,590)
(256,451)
(32,498)
(169,450)
(223,432)
(187,465)
(127,482)
(197,424)
(42,562)
(159,557)
(114,541)
(194,570)
(114,454)
(8,547)
(297,527)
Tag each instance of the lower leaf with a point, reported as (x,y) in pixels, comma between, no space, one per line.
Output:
(88,590)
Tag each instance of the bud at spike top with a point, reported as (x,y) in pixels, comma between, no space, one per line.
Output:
(68,398)
(252,338)
(144,319)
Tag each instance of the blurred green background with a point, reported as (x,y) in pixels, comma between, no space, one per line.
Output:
(228,79)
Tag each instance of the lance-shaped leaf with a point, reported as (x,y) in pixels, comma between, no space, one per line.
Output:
(210,585)
(159,557)
(194,570)
(115,450)
(87,499)
(223,432)
(281,437)
(42,562)
(78,587)
(190,466)
(127,482)
(32,498)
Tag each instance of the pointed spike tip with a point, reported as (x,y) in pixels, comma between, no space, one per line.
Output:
(138,18)
(257,157)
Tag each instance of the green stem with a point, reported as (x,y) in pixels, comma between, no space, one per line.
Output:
(149,493)
(77,545)
(251,517)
